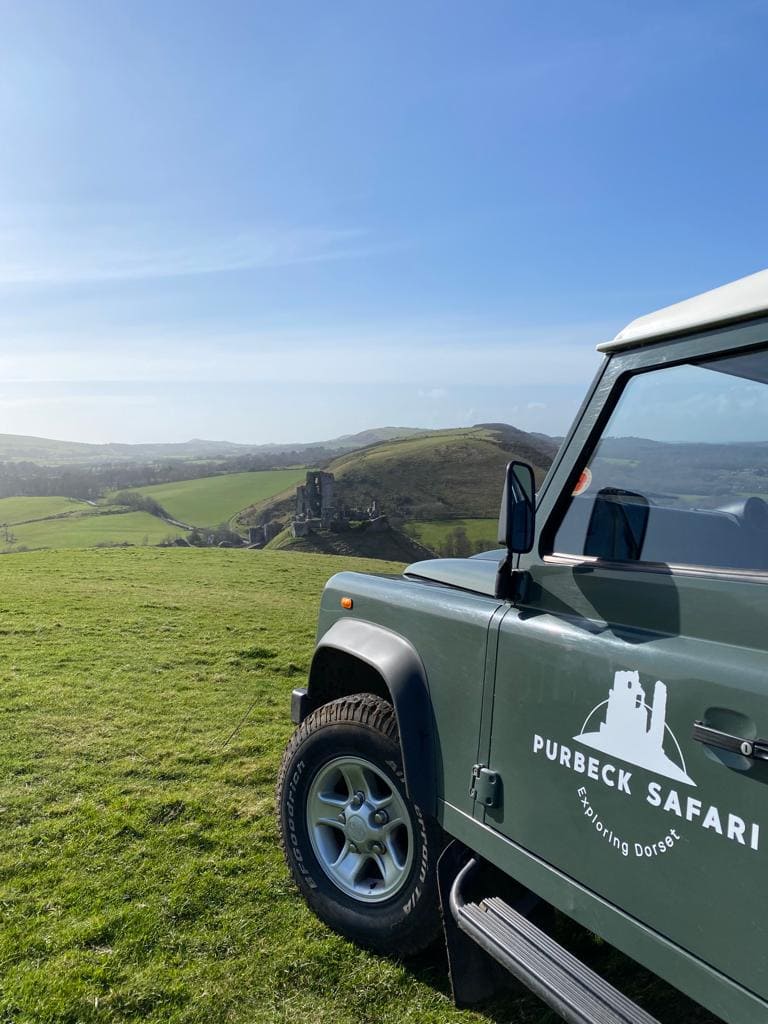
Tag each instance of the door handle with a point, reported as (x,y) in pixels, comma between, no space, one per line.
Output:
(757,749)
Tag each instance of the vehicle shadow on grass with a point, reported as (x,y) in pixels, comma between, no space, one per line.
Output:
(516,1005)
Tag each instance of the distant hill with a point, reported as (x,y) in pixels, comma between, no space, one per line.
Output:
(443,474)
(697,473)
(50,452)
(367,437)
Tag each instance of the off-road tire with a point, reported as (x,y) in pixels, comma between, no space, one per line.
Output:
(360,726)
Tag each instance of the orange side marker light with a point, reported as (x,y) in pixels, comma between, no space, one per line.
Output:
(346,602)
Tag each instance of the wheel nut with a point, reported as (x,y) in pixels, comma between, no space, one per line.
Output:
(353,847)
(342,817)
(358,799)
(380,818)
(378,848)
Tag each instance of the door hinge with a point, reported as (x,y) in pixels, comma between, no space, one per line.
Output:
(485,785)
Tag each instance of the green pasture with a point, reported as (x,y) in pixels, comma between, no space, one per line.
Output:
(216,499)
(89,530)
(21,510)
(433,533)
(140,874)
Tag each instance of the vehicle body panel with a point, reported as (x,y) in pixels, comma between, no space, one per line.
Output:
(449,629)
(623,829)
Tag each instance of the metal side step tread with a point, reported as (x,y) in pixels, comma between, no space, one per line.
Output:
(559,978)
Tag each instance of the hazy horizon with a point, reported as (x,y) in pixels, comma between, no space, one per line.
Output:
(303,222)
(285,442)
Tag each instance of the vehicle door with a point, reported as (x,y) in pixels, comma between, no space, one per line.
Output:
(644,611)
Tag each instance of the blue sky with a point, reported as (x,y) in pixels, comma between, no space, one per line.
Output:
(266,222)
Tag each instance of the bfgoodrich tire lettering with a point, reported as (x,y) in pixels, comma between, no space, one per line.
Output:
(391,903)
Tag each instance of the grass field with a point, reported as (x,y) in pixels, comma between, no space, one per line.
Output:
(89,530)
(21,510)
(215,499)
(140,875)
(433,533)
(63,523)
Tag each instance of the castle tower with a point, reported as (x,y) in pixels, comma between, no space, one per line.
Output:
(658,716)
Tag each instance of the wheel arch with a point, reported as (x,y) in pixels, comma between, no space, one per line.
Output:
(355,656)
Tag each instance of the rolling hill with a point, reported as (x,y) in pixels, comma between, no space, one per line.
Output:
(28,510)
(211,500)
(58,522)
(47,451)
(91,530)
(442,475)
(426,481)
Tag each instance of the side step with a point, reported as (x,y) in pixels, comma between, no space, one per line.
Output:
(556,976)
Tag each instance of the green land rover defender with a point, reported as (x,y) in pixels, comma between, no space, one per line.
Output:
(578,720)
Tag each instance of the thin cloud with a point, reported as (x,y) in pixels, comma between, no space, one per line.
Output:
(77,401)
(44,255)
(331,357)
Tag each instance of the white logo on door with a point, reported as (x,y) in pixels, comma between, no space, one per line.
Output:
(635,731)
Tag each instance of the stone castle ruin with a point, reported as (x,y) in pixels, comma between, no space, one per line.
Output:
(315,499)
(318,509)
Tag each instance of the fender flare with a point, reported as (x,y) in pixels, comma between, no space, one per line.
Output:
(398,664)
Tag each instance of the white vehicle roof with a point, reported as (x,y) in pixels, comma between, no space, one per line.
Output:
(741,299)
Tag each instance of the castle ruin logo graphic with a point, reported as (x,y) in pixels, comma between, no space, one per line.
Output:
(636,731)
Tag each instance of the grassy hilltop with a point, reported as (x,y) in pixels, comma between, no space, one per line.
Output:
(447,473)
(140,875)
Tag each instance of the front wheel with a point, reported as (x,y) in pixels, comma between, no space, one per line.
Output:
(362,854)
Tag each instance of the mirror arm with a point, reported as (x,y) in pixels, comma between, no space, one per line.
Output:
(503,588)
(511,584)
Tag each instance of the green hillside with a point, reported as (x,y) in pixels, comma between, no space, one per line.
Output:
(361,542)
(22,510)
(89,530)
(445,474)
(216,499)
(141,874)
(59,522)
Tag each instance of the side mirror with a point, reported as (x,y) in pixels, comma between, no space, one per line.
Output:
(517,519)
(617,526)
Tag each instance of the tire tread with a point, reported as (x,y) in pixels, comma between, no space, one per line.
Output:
(361,708)
(370,712)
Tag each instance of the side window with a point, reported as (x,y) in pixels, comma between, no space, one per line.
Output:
(680,474)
